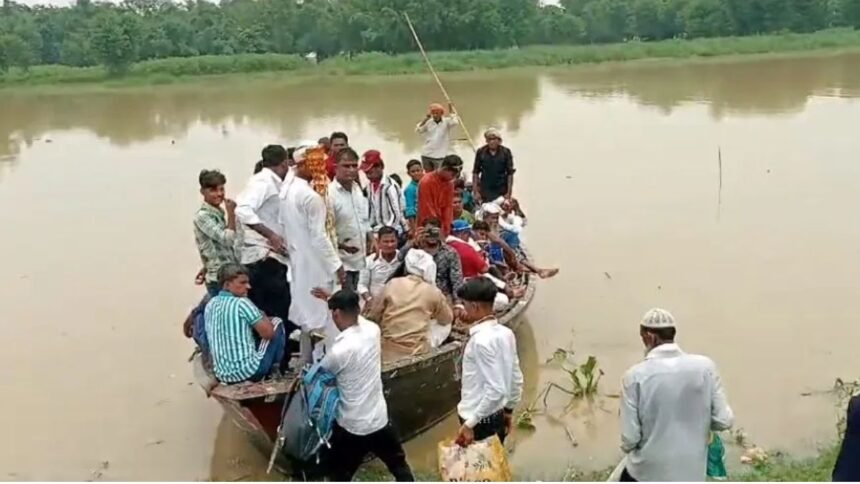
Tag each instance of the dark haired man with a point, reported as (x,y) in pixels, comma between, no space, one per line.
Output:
(337,142)
(493,173)
(436,193)
(350,216)
(385,196)
(492,382)
(670,402)
(265,252)
(362,425)
(379,266)
(244,343)
(218,236)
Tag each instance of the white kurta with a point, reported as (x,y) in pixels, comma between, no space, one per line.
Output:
(313,260)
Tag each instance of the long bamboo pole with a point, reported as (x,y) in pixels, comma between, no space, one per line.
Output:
(439,81)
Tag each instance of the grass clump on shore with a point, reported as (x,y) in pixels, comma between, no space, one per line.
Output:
(178,68)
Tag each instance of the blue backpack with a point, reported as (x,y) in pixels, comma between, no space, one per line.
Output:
(309,415)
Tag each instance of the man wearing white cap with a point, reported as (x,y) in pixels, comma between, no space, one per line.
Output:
(670,403)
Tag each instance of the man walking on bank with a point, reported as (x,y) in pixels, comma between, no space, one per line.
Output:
(670,403)
(492,383)
(362,425)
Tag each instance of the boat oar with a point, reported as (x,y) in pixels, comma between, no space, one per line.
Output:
(438,81)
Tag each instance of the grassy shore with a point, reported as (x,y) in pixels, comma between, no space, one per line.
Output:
(164,71)
(778,468)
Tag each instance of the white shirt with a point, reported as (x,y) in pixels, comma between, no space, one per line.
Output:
(313,260)
(351,222)
(386,205)
(356,361)
(259,204)
(437,136)
(373,277)
(670,403)
(492,379)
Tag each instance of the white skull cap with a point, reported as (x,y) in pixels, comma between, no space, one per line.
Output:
(657,318)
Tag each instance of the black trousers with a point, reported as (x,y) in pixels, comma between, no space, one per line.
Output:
(351,282)
(492,425)
(626,477)
(348,452)
(270,290)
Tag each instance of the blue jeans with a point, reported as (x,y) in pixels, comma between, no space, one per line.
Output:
(273,353)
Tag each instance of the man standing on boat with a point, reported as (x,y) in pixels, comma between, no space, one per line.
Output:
(264,252)
(436,129)
(493,172)
(350,216)
(670,403)
(336,142)
(436,194)
(362,426)
(492,382)
(218,236)
(385,196)
(313,260)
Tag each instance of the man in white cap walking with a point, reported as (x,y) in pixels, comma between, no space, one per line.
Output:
(670,403)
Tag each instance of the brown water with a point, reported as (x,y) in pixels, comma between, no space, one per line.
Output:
(617,169)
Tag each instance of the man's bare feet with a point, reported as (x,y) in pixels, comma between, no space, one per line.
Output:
(516,292)
(547,273)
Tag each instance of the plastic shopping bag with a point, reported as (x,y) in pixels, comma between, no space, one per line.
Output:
(716,458)
(483,461)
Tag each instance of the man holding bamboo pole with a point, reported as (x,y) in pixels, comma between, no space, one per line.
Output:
(436,131)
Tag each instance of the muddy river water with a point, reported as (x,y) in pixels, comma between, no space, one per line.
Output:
(617,169)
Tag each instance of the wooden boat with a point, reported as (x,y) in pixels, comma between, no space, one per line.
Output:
(421,391)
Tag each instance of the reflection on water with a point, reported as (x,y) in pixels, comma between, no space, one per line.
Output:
(99,188)
(755,87)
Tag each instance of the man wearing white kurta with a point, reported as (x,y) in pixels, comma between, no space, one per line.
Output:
(670,403)
(314,263)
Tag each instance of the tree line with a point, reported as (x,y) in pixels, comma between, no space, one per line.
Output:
(92,33)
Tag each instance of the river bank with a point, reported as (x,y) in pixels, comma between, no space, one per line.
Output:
(166,71)
(779,468)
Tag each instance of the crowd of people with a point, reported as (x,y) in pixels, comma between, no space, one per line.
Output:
(327,248)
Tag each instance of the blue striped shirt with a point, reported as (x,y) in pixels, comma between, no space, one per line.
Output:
(230,324)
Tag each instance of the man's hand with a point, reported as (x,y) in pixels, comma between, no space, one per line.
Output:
(229,205)
(451,108)
(187,326)
(509,422)
(341,276)
(476,194)
(320,293)
(200,278)
(465,436)
(459,313)
(278,244)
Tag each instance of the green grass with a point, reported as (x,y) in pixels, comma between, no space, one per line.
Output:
(163,71)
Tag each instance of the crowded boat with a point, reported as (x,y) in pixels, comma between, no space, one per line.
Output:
(326,260)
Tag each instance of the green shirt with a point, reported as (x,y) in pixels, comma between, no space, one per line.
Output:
(230,324)
(217,244)
(468,217)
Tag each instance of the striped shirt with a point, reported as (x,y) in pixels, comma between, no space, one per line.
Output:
(230,324)
(217,244)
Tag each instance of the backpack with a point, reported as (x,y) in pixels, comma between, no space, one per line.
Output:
(309,413)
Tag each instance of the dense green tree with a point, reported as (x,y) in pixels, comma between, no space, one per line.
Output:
(118,34)
(115,40)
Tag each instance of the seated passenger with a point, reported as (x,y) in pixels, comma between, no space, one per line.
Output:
(412,312)
(460,213)
(380,266)
(508,241)
(243,342)
(475,264)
